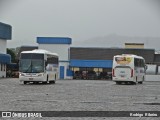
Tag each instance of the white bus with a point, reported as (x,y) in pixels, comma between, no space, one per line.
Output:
(128,68)
(38,66)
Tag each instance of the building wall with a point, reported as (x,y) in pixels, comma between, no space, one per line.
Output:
(59,45)
(2,70)
(24,48)
(5,31)
(61,49)
(134,45)
(5,34)
(80,53)
(157,59)
(66,67)
(3,44)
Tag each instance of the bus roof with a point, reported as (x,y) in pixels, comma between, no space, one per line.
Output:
(40,51)
(129,55)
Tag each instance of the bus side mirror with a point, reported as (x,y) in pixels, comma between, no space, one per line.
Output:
(146,67)
(19,63)
(46,63)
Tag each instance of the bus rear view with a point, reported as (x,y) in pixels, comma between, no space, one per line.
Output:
(128,69)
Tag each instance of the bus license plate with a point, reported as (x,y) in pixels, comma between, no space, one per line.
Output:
(30,78)
(122,75)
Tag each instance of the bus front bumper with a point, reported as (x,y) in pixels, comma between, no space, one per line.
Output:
(36,78)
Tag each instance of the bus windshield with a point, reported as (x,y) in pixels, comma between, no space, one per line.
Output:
(31,65)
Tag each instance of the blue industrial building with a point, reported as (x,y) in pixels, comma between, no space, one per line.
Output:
(61,46)
(86,63)
(54,40)
(5,34)
(91,63)
(67,64)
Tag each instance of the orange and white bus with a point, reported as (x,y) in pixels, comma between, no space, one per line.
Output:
(128,68)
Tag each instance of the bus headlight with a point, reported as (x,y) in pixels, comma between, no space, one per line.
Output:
(21,74)
(40,75)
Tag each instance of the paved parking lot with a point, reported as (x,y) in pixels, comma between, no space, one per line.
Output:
(79,95)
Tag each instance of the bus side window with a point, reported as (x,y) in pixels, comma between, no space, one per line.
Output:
(135,62)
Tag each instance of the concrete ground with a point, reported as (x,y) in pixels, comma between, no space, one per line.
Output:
(79,95)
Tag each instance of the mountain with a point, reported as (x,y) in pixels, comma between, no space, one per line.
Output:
(117,41)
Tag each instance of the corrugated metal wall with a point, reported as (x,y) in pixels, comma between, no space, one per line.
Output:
(157,59)
(108,53)
(25,48)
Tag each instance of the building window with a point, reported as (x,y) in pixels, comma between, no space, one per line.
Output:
(4,67)
(1,67)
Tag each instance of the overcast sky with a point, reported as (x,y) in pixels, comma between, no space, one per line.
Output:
(79,19)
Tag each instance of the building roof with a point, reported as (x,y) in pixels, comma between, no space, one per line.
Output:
(54,40)
(5,31)
(134,43)
(5,58)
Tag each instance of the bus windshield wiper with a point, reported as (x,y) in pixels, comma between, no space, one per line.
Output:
(29,67)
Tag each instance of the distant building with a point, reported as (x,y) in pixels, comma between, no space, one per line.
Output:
(61,46)
(24,48)
(134,45)
(5,34)
(95,60)
(91,61)
(99,60)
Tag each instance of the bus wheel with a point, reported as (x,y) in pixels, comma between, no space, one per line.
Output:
(35,82)
(141,82)
(118,83)
(136,81)
(55,77)
(46,80)
(133,83)
(52,82)
(24,82)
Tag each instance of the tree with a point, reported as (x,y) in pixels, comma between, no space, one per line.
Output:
(13,55)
